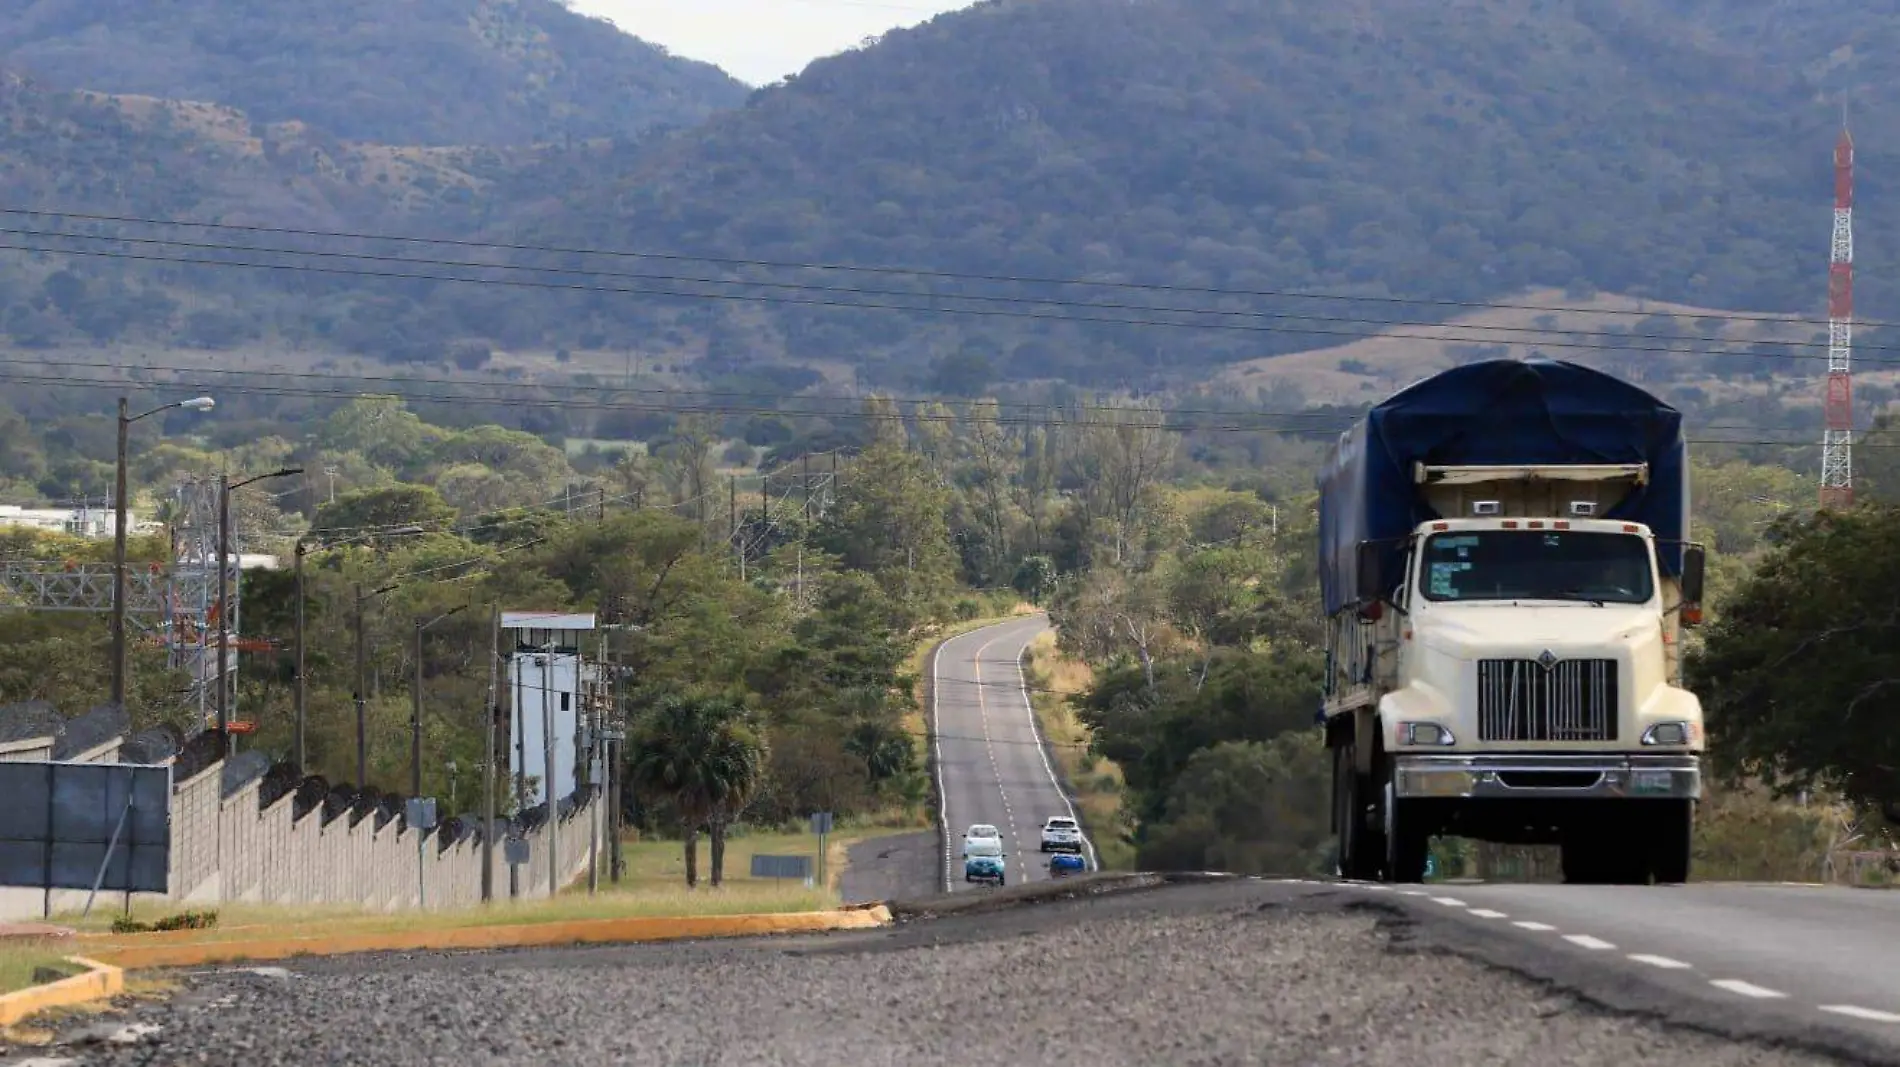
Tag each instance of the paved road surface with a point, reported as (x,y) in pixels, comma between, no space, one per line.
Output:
(1823,956)
(1226,974)
(991,766)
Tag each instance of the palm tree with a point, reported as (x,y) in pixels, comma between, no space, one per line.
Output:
(703,758)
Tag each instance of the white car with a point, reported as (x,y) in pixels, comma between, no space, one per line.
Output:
(1061,834)
(981,834)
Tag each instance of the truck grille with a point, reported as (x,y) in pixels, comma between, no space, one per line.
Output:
(1572,700)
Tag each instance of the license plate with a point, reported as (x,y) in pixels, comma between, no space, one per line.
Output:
(1649,783)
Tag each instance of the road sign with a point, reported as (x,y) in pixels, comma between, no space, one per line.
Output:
(419,813)
(781,866)
(100,826)
(515,850)
(821,822)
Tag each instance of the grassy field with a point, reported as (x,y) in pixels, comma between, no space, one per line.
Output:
(19,962)
(1096,782)
(661,864)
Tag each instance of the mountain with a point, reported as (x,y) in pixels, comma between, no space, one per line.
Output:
(429,72)
(1457,150)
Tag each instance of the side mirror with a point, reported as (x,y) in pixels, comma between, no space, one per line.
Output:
(1694,559)
(1373,585)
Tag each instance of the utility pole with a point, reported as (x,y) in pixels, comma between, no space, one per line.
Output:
(593,757)
(600,503)
(362,690)
(615,753)
(488,758)
(224,611)
(805,492)
(118,563)
(732,520)
(303,688)
(547,759)
(415,720)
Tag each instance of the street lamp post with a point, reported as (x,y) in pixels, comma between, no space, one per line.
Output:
(304,544)
(119,505)
(225,487)
(415,702)
(362,686)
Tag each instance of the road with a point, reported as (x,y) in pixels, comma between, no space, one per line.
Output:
(1229,973)
(991,764)
(1794,956)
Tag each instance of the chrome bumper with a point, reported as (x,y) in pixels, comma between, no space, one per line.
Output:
(1555,777)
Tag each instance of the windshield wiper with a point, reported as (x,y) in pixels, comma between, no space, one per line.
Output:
(1578,594)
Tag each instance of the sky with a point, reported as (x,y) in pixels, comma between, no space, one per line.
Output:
(761,41)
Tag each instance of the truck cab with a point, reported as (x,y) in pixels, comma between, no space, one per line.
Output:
(1508,669)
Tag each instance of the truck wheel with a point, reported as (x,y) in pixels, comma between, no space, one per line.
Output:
(1359,856)
(1671,839)
(1407,840)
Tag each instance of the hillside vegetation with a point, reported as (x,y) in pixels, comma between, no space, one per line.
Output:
(1457,150)
(423,72)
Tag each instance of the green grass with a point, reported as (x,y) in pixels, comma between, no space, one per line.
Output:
(658,864)
(19,962)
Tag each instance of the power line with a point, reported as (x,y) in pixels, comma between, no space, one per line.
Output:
(1343,424)
(856,291)
(906,271)
(912,309)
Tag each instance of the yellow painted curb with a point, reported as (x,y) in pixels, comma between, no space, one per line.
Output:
(100,981)
(133,954)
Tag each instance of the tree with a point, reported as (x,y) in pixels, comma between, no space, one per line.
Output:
(1803,659)
(1247,807)
(889,521)
(368,510)
(703,759)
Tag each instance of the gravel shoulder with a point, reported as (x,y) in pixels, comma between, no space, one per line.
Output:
(1223,973)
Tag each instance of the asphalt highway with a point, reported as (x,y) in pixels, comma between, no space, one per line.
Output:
(991,765)
(1811,957)
(1225,973)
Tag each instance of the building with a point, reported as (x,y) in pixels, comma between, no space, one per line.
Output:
(82,521)
(547,677)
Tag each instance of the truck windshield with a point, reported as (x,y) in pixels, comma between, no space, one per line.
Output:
(1536,565)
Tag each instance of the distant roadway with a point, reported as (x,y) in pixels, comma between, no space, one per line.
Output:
(991,763)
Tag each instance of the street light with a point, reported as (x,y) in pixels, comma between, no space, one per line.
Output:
(225,488)
(415,700)
(203,403)
(304,544)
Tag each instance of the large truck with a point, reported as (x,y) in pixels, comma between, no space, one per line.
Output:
(1506,582)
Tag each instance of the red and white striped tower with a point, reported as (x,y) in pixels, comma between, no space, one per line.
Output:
(1837,440)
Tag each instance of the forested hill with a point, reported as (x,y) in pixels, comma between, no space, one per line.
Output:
(1455,149)
(430,72)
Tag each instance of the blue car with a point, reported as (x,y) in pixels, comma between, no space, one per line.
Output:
(1066,863)
(983,862)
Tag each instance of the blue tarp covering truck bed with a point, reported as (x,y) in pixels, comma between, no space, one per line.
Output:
(1497,412)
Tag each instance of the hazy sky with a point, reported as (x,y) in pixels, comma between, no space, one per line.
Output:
(760,41)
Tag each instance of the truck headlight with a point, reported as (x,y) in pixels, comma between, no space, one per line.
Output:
(1424,733)
(1667,733)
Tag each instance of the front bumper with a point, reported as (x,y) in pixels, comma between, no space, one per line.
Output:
(1557,776)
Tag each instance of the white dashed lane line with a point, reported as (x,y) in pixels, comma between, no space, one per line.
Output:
(1595,944)
(1748,989)
(1868,1014)
(1664,962)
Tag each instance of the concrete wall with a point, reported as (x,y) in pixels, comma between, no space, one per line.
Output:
(231,849)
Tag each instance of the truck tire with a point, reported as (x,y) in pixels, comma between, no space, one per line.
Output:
(1361,853)
(1671,840)
(1408,842)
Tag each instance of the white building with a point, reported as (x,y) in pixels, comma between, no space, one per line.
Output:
(82,521)
(546,678)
